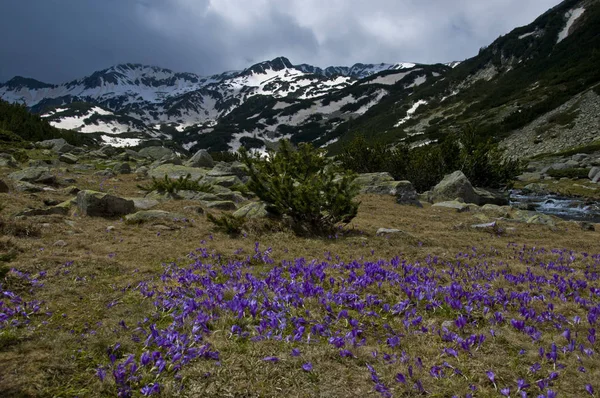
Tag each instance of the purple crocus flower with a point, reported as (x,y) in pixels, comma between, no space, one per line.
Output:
(589,389)
(271,359)
(491,375)
(295,352)
(400,378)
(307,367)
(505,392)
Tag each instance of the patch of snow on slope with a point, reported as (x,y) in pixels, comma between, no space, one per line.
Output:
(120,142)
(189,145)
(572,15)
(527,34)
(373,102)
(450,95)
(418,81)
(280,105)
(410,112)
(333,141)
(389,79)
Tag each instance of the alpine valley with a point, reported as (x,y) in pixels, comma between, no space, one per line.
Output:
(535,88)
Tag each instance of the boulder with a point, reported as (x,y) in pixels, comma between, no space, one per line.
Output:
(490,226)
(543,219)
(24,186)
(33,174)
(387,231)
(594,171)
(252,210)
(167,159)
(406,194)
(122,168)
(68,158)
(201,159)
(98,204)
(370,179)
(460,207)
(537,189)
(152,215)
(529,177)
(155,152)
(224,181)
(142,171)
(144,203)
(572,163)
(496,211)
(105,173)
(57,145)
(579,157)
(491,197)
(175,171)
(4,187)
(455,185)
(233,196)
(61,209)
(7,160)
(222,169)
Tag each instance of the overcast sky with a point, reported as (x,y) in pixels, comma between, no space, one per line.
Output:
(60,40)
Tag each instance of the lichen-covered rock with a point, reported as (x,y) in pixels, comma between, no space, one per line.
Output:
(152,215)
(252,210)
(460,207)
(155,152)
(176,171)
(39,175)
(99,204)
(455,185)
(201,159)
(68,158)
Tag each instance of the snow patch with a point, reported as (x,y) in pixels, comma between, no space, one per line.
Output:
(120,142)
(333,141)
(389,79)
(572,15)
(187,146)
(373,102)
(418,81)
(410,112)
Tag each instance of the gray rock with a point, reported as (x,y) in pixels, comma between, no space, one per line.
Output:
(144,203)
(7,160)
(580,157)
(529,177)
(105,173)
(538,189)
(425,197)
(543,219)
(195,209)
(71,190)
(33,174)
(155,152)
(406,194)
(167,159)
(152,215)
(24,186)
(4,187)
(252,210)
(493,226)
(60,243)
(491,197)
(98,204)
(455,185)
(68,158)
(201,159)
(222,169)
(458,206)
(370,179)
(57,145)
(559,166)
(232,196)
(142,171)
(224,181)
(387,231)
(594,171)
(220,205)
(572,163)
(496,211)
(61,209)
(175,171)
(122,168)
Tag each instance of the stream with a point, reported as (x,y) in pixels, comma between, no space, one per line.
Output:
(568,208)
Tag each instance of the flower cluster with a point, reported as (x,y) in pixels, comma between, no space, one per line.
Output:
(551,301)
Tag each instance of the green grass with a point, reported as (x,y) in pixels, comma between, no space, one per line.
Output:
(573,173)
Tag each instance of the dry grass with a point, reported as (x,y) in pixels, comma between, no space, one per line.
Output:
(90,282)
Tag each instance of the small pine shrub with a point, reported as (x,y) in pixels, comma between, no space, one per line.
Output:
(227,223)
(170,185)
(573,173)
(303,185)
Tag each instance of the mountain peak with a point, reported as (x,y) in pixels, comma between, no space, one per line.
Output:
(275,64)
(19,82)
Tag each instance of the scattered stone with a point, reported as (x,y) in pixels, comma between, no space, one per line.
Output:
(155,152)
(536,188)
(152,215)
(69,180)
(60,243)
(493,226)
(458,206)
(98,204)
(34,174)
(144,203)
(7,160)
(232,196)
(387,231)
(496,211)
(201,159)
(142,171)
(572,163)
(529,177)
(594,171)
(252,210)
(70,190)
(51,202)
(68,158)
(122,168)
(110,228)
(491,197)
(220,205)
(455,185)
(406,194)
(578,157)
(222,169)
(105,173)
(4,187)
(195,209)
(224,181)
(543,219)
(175,171)
(58,145)
(24,186)
(370,179)
(426,197)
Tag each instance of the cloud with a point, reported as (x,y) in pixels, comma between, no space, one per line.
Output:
(59,40)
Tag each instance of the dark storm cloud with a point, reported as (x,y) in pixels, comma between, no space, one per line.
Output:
(59,40)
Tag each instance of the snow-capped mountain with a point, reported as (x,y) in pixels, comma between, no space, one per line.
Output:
(137,98)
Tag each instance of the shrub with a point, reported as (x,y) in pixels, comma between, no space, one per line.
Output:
(227,223)
(303,185)
(173,185)
(365,157)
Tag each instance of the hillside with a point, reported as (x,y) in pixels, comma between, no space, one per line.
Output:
(533,87)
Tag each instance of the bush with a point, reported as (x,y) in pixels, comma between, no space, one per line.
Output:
(181,184)
(227,223)
(303,185)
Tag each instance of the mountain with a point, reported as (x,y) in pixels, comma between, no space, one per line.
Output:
(535,88)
